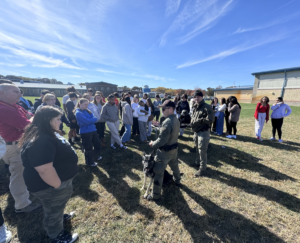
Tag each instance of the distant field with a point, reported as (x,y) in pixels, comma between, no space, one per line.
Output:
(251,193)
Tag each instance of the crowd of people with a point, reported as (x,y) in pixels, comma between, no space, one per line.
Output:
(42,162)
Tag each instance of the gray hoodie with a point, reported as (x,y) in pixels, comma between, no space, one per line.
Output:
(127,116)
(110,113)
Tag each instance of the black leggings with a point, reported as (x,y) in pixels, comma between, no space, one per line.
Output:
(100,126)
(156,115)
(215,124)
(227,123)
(232,125)
(1,218)
(135,126)
(276,125)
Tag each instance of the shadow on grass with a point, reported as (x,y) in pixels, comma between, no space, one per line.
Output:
(290,202)
(236,158)
(217,224)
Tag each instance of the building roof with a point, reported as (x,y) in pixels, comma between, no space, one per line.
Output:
(101,82)
(278,70)
(48,86)
(245,87)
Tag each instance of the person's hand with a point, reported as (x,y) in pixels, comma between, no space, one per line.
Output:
(151,143)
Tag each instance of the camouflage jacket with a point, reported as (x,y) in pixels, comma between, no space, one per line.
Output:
(168,134)
(202,117)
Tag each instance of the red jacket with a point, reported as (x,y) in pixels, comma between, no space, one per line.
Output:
(262,109)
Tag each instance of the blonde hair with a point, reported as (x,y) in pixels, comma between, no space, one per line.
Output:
(85,95)
(47,97)
(95,101)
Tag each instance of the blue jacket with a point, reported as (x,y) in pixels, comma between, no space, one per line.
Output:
(86,121)
(280,111)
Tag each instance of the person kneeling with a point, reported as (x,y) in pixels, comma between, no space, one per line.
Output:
(88,131)
(50,164)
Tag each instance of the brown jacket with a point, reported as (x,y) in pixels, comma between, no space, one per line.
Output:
(234,111)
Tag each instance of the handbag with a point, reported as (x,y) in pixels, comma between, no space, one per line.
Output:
(150,118)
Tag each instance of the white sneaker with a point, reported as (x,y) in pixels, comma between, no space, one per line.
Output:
(233,136)
(99,158)
(272,139)
(280,141)
(5,235)
(229,136)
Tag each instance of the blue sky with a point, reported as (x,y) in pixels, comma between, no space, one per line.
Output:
(170,43)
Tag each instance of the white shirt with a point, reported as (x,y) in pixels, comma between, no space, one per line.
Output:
(142,116)
(66,98)
(131,98)
(222,108)
(144,100)
(135,106)
(2,147)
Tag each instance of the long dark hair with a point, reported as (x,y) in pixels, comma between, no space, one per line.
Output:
(150,104)
(40,124)
(223,100)
(80,101)
(235,101)
(213,100)
(267,99)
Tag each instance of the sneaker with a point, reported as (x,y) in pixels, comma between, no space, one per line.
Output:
(123,147)
(68,217)
(273,139)
(200,173)
(5,235)
(229,136)
(31,207)
(260,139)
(112,147)
(280,141)
(99,158)
(218,134)
(64,237)
(233,136)
(93,165)
(150,198)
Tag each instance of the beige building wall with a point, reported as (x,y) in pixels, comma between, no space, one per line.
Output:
(243,96)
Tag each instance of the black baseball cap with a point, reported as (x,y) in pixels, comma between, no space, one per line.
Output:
(198,93)
(168,103)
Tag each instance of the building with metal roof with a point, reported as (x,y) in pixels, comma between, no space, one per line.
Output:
(242,93)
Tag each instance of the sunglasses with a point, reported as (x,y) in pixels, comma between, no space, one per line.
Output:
(163,109)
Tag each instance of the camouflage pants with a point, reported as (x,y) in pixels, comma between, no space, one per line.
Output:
(201,140)
(162,160)
(54,202)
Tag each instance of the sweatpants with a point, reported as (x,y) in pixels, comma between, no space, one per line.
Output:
(259,125)
(149,128)
(232,125)
(100,126)
(201,140)
(162,160)
(17,185)
(54,202)
(135,126)
(114,132)
(143,130)
(1,218)
(277,125)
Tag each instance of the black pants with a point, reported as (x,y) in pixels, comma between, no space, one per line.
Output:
(227,123)
(215,124)
(232,125)
(156,115)
(277,125)
(100,126)
(135,126)
(1,218)
(90,140)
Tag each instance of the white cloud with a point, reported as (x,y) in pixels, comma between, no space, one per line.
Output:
(148,76)
(172,7)
(229,52)
(12,64)
(196,17)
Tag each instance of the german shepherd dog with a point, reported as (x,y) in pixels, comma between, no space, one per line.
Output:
(148,163)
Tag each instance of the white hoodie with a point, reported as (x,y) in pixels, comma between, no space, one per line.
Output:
(142,116)
(135,106)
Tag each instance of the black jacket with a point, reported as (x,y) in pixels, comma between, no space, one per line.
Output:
(37,103)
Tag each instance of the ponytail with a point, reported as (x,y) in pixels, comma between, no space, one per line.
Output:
(80,101)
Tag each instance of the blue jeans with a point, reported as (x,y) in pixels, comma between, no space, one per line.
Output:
(127,133)
(220,123)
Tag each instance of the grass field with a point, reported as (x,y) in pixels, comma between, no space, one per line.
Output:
(251,193)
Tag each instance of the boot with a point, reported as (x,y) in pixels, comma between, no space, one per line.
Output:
(89,158)
(200,173)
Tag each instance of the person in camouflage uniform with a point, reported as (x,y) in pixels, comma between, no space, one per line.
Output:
(202,118)
(167,149)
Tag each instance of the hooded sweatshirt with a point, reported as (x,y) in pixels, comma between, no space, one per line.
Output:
(127,116)
(142,116)
(280,110)
(86,121)
(94,109)
(110,112)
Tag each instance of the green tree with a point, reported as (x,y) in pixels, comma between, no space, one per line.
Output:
(210,91)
